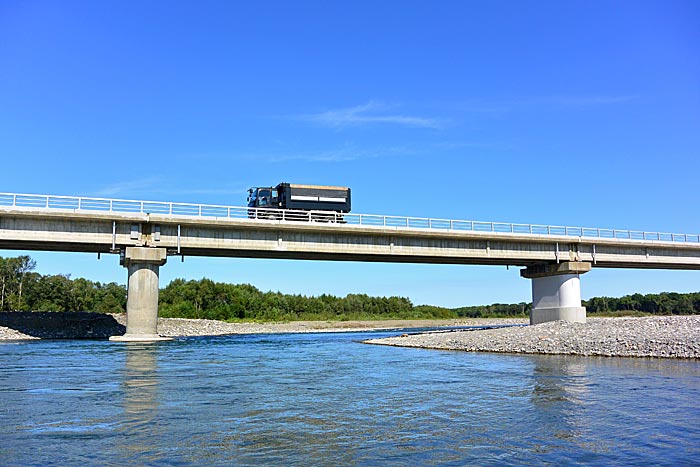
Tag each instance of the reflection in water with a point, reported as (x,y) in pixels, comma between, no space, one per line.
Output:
(327,400)
(140,401)
(559,379)
(560,392)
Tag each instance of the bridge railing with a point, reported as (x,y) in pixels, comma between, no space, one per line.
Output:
(236,212)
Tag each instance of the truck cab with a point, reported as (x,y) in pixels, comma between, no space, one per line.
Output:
(264,197)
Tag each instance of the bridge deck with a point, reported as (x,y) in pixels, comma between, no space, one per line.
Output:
(63,228)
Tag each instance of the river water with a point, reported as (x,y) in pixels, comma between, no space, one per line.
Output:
(328,400)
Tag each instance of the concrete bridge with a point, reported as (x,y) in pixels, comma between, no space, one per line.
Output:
(145,233)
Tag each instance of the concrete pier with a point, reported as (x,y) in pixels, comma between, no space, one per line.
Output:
(556,291)
(143,265)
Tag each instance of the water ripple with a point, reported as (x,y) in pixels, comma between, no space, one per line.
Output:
(323,399)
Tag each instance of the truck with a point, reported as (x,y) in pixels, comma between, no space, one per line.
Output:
(290,201)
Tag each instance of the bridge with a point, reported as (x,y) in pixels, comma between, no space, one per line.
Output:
(145,233)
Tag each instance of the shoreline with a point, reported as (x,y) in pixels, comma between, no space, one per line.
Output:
(655,337)
(182,327)
(76,325)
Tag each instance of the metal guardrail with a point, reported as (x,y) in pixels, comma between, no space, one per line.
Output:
(235,212)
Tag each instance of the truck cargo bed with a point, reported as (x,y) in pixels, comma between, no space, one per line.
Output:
(314,197)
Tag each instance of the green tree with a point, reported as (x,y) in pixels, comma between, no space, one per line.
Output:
(13,272)
(110,298)
(25,264)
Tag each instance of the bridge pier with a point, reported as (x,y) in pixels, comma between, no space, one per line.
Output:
(556,291)
(143,265)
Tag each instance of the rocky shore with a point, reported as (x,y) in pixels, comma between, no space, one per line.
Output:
(175,327)
(662,336)
(72,325)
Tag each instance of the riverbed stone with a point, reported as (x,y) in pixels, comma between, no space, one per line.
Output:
(659,336)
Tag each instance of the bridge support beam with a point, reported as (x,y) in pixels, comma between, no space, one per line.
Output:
(556,291)
(143,265)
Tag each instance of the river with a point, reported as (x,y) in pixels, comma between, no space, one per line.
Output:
(328,400)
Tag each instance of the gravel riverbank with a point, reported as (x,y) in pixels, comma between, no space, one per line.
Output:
(25,325)
(174,327)
(662,336)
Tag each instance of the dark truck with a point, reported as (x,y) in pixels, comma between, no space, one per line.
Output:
(299,202)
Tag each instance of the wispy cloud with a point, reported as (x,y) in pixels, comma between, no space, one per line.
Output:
(157,187)
(125,188)
(212,191)
(506,106)
(368,114)
(350,153)
(344,154)
(591,100)
(332,155)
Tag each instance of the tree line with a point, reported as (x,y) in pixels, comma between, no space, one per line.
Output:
(22,289)
(216,300)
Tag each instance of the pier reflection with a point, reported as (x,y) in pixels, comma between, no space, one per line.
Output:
(561,397)
(560,379)
(140,401)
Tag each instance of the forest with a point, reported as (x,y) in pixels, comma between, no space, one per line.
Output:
(23,289)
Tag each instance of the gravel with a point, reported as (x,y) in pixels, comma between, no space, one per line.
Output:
(12,334)
(662,336)
(26,325)
(178,327)
(659,336)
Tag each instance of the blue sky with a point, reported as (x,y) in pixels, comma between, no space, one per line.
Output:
(570,113)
